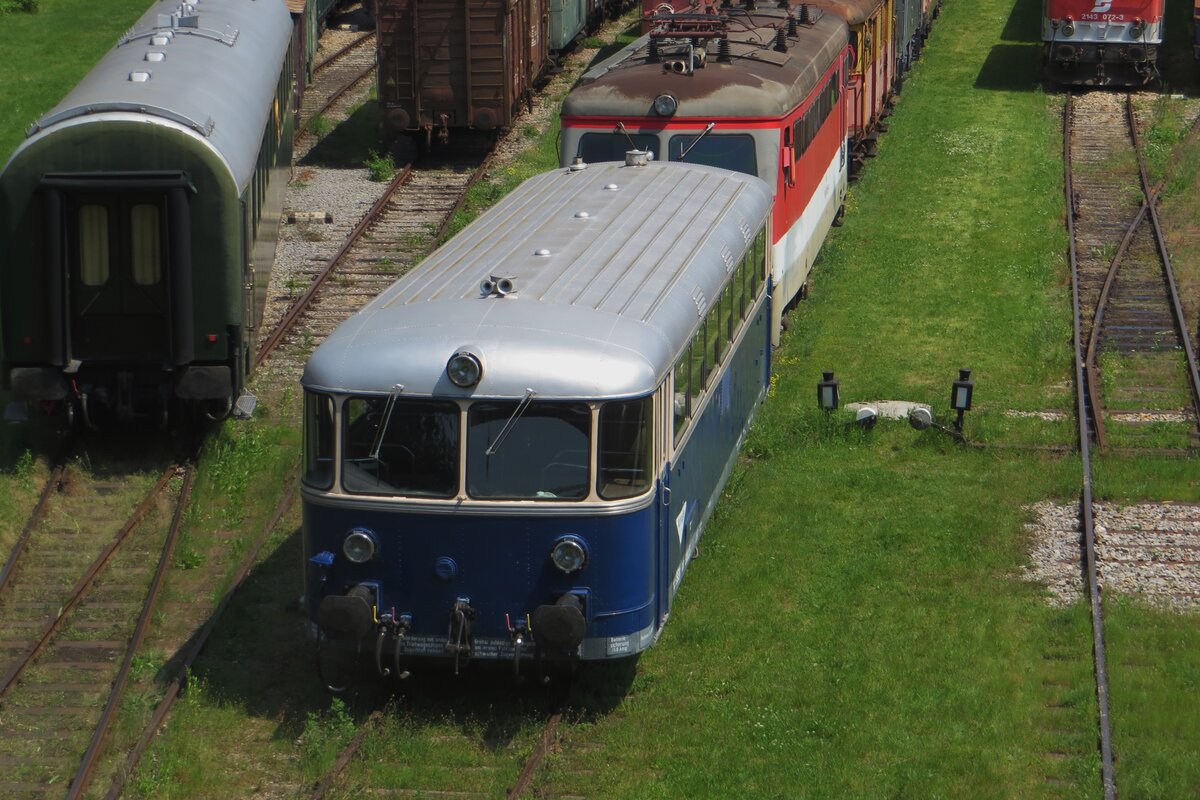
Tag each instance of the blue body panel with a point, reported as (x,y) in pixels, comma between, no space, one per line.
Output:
(701,467)
(502,565)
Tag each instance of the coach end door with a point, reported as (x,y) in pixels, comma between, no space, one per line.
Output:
(117,278)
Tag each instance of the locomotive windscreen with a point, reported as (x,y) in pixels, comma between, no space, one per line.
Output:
(733,152)
(543,456)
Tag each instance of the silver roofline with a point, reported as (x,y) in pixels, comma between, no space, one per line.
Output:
(614,268)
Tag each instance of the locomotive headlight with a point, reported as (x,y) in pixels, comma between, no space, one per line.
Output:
(359,545)
(569,554)
(665,105)
(1068,28)
(1137,28)
(464,369)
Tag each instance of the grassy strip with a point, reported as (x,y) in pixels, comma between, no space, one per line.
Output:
(47,53)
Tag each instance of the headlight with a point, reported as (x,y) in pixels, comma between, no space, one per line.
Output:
(359,545)
(464,369)
(1068,28)
(665,105)
(569,554)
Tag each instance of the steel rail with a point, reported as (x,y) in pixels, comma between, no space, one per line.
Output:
(343,759)
(53,482)
(1165,256)
(1099,654)
(81,587)
(281,328)
(479,172)
(197,643)
(302,128)
(545,742)
(1093,345)
(91,757)
(341,51)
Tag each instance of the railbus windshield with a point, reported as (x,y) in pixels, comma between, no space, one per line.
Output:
(415,448)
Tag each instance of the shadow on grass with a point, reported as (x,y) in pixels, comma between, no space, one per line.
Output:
(1024,23)
(260,659)
(351,142)
(1011,68)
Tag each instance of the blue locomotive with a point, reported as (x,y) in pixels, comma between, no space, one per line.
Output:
(512,452)
(139,217)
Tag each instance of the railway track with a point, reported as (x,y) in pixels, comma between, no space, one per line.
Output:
(77,594)
(436,782)
(1134,362)
(1140,369)
(398,230)
(334,78)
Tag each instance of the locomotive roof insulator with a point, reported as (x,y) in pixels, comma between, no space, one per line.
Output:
(805,15)
(781,44)
(793,27)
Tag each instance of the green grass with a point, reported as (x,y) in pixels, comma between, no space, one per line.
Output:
(45,54)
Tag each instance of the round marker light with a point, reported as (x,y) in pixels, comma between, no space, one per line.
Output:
(665,105)
(359,546)
(569,554)
(1068,28)
(464,370)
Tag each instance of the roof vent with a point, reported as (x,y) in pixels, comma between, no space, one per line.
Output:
(582,215)
(155,55)
(140,76)
(637,158)
(161,40)
(497,286)
(541,252)
(577,164)
(611,187)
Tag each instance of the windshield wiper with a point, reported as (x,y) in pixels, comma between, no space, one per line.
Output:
(621,129)
(377,442)
(508,426)
(707,129)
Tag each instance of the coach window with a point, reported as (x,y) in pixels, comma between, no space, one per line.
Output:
(624,453)
(538,452)
(595,148)
(93,245)
(318,440)
(681,402)
(729,151)
(400,447)
(145,236)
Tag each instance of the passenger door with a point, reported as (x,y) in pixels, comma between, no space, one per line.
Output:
(117,286)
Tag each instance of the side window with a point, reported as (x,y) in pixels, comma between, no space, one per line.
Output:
(318,440)
(681,401)
(93,245)
(626,447)
(145,237)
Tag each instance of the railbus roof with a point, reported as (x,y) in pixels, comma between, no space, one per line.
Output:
(613,269)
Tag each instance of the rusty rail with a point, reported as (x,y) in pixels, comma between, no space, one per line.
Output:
(302,128)
(281,328)
(1168,271)
(343,759)
(545,743)
(82,585)
(53,483)
(1099,653)
(197,643)
(341,51)
(91,757)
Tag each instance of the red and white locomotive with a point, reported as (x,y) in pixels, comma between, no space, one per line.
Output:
(761,91)
(1102,42)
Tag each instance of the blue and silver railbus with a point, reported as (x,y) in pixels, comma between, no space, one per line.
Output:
(512,452)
